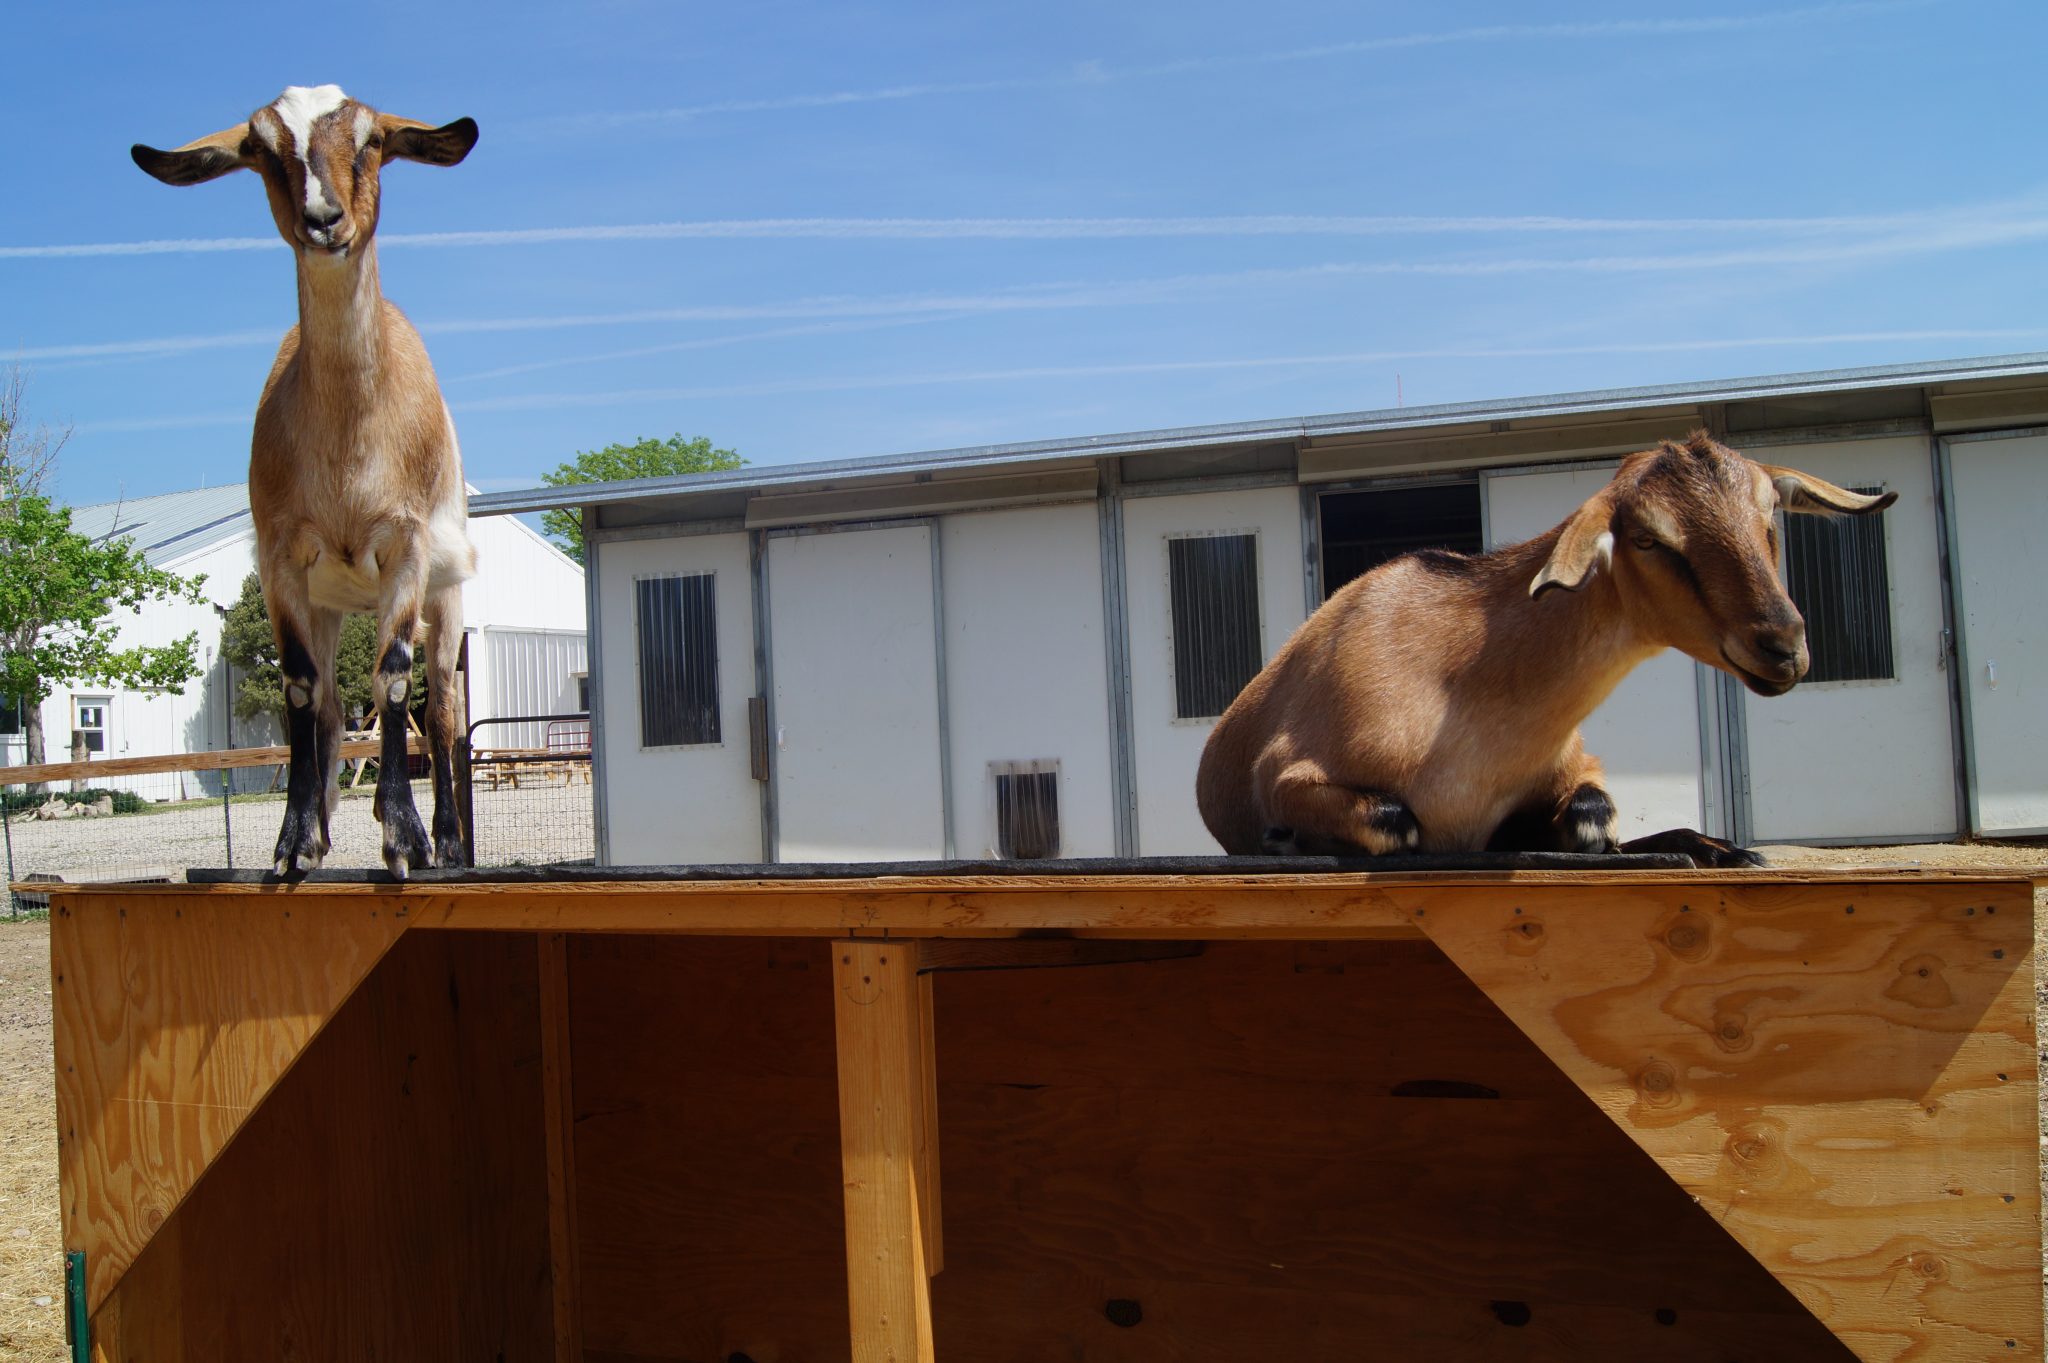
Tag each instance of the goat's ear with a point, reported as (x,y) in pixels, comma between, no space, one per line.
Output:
(197,162)
(1586,546)
(1804,493)
(407,139)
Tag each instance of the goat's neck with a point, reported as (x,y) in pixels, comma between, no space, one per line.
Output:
(341,332)
(1527,639)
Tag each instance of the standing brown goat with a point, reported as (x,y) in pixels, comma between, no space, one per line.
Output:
(355,479)
(1434,704)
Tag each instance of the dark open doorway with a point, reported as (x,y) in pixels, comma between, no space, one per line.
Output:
(1361,530)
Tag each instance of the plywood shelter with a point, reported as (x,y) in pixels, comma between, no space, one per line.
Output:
(1205,1111)
(968,652)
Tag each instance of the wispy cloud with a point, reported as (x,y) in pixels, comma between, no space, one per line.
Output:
(699,343)
(1960,232)
(1042,229)
(1099,73)
(868,382)
(878,382)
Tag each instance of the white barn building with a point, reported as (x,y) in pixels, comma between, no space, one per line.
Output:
(523,615)
(933,655)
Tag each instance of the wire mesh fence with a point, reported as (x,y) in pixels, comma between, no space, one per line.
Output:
(523,807)
(528,802)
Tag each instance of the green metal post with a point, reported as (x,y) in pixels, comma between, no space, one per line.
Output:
(77,1325)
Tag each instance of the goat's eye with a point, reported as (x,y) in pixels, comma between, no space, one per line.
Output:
(1646,541)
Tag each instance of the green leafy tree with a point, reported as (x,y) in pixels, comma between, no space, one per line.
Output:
(60,593)
(645,458)
(247,643)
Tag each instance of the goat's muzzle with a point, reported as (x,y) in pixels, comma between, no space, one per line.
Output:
(1773,659)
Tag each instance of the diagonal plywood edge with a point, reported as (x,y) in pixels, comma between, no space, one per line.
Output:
(173,1019)
(1844,1076)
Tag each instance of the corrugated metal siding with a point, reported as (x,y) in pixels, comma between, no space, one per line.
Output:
(526,672)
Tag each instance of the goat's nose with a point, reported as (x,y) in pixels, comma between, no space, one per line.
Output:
(320,219)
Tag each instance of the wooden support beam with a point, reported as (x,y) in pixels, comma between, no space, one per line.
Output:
(558,1107)
(174,1018)
(883,1141)
(928,1126)
(1843,1075)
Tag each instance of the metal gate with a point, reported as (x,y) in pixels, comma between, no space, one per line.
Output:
(525,791)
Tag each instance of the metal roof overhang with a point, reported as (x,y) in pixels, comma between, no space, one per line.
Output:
(1953,394)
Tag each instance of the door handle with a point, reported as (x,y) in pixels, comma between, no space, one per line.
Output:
(1991,673)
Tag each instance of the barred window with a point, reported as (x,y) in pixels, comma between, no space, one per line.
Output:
(1027,809)
(1836,574)
(677,627)
(1213,586)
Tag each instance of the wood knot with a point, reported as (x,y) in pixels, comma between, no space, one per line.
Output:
(1758,1151)
(1657,1084)
(1525,937)
(1731,1033)
(1931,1267)
(1921,983)
(1687,939)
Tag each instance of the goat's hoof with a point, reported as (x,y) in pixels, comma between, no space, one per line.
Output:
(405,844)
(1279,842)
(300,848)
(1391,829)
(1707,853)
(448,849)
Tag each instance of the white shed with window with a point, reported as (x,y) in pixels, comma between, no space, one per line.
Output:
(1020,651)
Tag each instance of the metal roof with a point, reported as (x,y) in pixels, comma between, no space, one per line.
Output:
(1611,400)
(171,526)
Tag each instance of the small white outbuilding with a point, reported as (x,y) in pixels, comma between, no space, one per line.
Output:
(1020,649)
(523,614)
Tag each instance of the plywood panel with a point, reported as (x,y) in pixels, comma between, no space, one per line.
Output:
(174,1015)
(389,1200)
(1227,1141)
(707,1147)
(1844,1078)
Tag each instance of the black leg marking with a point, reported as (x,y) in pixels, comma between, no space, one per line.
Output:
(1705,851)
(1587,821)
(448,849)
(405,838)
(1392,819)
(301,842)
(1387,816)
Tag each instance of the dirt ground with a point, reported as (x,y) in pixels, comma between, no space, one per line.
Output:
(31,1257)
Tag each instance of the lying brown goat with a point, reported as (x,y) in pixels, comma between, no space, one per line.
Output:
(1434,704)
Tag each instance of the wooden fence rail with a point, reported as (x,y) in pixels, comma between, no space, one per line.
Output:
(219,760)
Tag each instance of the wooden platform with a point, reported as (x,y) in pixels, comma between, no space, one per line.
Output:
(1107,1114)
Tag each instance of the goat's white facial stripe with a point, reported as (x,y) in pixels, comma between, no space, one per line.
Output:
(366,123)
(298,109)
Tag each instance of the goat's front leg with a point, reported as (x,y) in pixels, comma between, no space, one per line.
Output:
(444,718)
(306,636)
(402,577)
(1573,813)
(1308,815)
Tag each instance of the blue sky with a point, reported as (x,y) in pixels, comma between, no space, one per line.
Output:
(814,231)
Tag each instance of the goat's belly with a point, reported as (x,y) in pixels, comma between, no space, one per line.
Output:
(342,586)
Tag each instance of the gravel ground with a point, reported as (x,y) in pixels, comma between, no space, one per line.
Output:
(31,1261)
(535,824)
